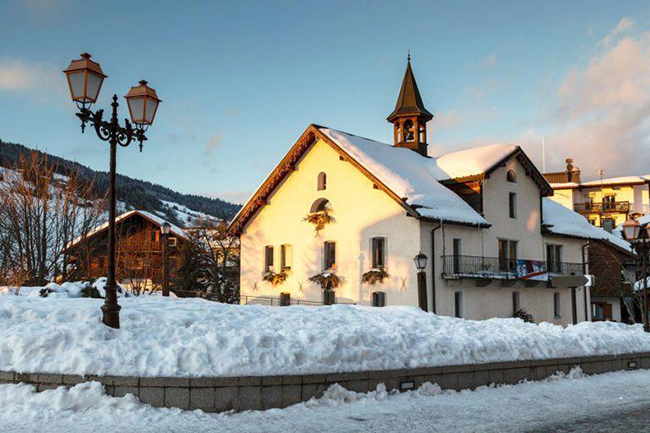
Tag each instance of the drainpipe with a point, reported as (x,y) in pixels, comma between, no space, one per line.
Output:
(433,268)
(584,272)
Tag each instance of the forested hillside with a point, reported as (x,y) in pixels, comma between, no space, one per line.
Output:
(134,193)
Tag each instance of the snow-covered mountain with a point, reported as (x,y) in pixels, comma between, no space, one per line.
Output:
(180,209)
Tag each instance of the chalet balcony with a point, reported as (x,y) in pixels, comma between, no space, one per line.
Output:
(611,207)
(455,267)
(139,247)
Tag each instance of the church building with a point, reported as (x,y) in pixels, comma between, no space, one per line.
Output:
(346,219)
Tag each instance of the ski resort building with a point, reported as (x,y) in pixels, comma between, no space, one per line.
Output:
(342,217)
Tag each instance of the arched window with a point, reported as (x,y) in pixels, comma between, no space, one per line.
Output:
(320,205)
(409,134)
(322,181)
(511,176)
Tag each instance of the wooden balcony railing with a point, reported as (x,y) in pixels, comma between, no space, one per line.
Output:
(456,266)
(608,207)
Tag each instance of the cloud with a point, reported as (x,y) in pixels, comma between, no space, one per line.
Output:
(602,112)
(489,62)
(31,80)
(212,144)
(623,26)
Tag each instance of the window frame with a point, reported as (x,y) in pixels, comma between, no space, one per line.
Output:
(321,182)
(286,257)
(374,252)
(557,307)
(458,304)
(512,205)
(326,255)
(269,258)
(516,301)
(509,178)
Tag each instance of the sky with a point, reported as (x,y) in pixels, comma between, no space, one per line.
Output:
(240,81)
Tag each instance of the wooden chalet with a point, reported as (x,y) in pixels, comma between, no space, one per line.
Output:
(138,251)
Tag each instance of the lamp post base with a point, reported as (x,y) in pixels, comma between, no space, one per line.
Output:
(111,313)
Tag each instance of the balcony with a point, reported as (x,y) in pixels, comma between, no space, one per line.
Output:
(609,207)
(455,267)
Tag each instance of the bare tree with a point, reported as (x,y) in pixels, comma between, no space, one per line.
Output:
(210,263)
(41,212)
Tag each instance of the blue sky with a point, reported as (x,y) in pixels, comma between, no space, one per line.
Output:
(240,81)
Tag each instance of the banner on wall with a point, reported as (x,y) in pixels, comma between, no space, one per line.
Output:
(534,270)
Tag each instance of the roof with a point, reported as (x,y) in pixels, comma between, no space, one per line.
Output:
(472,162)
(146,215)
(409,101)
(624,180)
(409,175)
(559,220)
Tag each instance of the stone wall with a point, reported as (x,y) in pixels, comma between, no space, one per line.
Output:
(217,394)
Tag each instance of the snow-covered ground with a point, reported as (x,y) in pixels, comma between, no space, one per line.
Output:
(194,337)
(528,406)
(188,216)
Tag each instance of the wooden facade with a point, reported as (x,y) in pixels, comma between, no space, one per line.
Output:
(139,251)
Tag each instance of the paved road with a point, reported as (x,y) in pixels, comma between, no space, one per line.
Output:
(631,420)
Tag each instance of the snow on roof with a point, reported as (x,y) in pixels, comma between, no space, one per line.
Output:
(618,180)
(564,185)
(562,221)
(408,175)
(148,215)
(471,162)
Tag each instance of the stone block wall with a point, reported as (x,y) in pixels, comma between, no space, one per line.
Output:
(218,394)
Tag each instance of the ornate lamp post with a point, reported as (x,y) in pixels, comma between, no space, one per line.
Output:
(164,229)
(85,78)
(641,245)
(421,264)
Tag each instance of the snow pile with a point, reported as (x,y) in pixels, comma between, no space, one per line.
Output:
(194,337)
(563,221)
(65,290)
(408,175)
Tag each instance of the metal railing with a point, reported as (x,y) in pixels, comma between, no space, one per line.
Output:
(455,266)
(275,302)
(606,207)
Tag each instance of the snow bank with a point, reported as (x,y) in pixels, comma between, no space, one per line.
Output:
(64,290)
(194,337)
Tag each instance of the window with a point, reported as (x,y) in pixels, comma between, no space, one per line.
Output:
(515,302)
(512,202)
(330,255)
(592,221)
(554,258)
(286,257)
(378,299)
(153,235)
(458,304)
(172,242)
(268,258)
(511,176)
(456,252)
(609,203)
(320,205)
(556,305)
(322,181)
(507,255)
(378,253)
(409,134)
(608,224)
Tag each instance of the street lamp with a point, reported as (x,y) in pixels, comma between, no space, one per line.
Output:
(421,264)
(164,228)
(85,78)
(632,232)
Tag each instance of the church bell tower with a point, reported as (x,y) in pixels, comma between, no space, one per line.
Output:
(410,117)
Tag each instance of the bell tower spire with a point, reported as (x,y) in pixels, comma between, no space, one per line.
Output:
(410,117)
